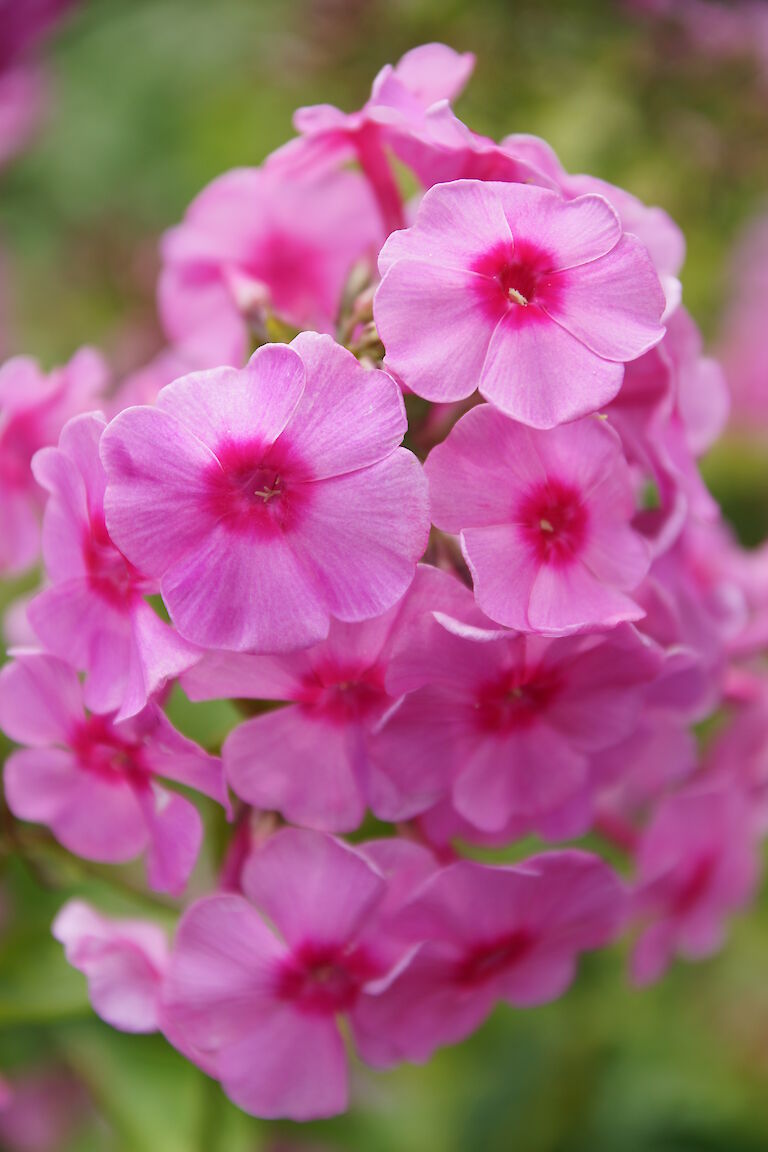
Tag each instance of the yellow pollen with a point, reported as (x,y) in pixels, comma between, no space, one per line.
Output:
(545,526)
(517,297)
(267,493)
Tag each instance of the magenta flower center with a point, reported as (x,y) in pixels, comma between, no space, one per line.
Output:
(251,489)
(515,700)
(696,883)
(510,276)
(101,751)
(492,959)
(109,573)
(324,979)
(345,693)
(554,520)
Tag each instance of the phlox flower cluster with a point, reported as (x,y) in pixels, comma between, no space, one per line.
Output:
(445,546)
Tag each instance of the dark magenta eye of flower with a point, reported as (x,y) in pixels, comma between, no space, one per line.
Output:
(516,700)
(99,749)
(251,490)
(109,573)
(508,275)
(323,980)
(555,522)
(489,960)
(695,883)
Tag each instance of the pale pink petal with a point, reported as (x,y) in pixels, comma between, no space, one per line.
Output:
(455,223)
(221,976)
(40,700)
(119,834)
(39,783)
(569,597)
(299,765)
(422,1010)
(157,501)
(374,415)
(434,72)
(157,654)
(615,553)
(312,887)
(78,626)
(240,592)
(224,406)
(542,375)
(365,534)
(290,1065)
(505,570)
(568,233)
(175,833)
(123,961)
(613,305)
(480,473)
(415,304)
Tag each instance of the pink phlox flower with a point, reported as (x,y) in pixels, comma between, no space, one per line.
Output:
(268,500)
(537,301)
(696,863)
(317,760)
(123,961)
(257,243)
(256,982)
(545,520)
(96,783)
(94,614)
(34,407)
(509,720)
(486,934)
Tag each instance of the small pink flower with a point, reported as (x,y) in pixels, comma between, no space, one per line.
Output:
(42,1110)
(508,721)
(123,961)
(256,243)
(485,934)
(697,862)
(397,111)
(255,986)
(317,761)
(545,520)
(33,410)
(270,499)
(94,614)
(536,301)
(94,782)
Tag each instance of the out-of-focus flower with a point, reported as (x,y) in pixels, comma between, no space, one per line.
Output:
(94,614)
(33,409)
(123,961)
(256,243)
(95,783)
(696,863)
(485,934)
(256,985)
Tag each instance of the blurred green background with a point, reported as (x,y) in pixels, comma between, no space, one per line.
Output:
(150,99)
